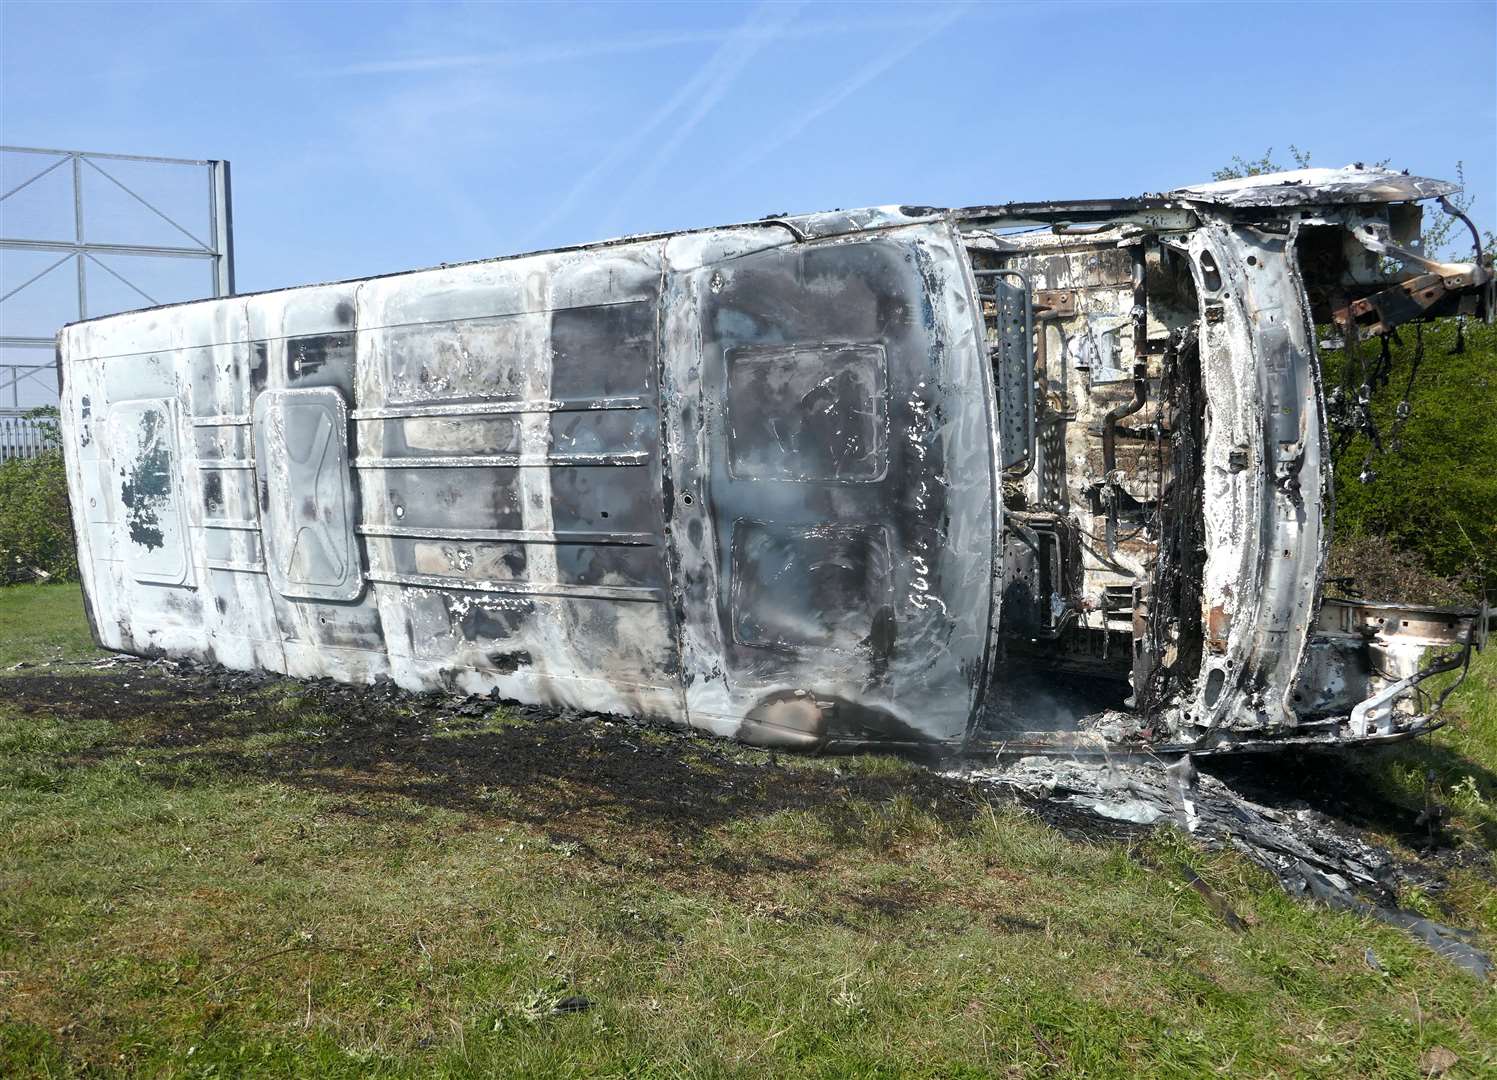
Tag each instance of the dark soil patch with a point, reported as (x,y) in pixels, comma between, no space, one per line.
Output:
(893,901)
(152,709)
(612,790)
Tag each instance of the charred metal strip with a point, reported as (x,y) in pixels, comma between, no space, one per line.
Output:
(519,536)
(220,421)
(1050,306)
(1110,423)
(1421,624)
(1456,212)
(1110,452)
(232,526)
(1175,613)
(1374,716)
(1139,256)
(1316,187)
(1077,210)
(488,408)
(522,588)
(1014,375)
(1384,311)
(476,461)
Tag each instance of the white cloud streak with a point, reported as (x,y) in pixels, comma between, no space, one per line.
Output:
(768,24)
(753,32)
(840,93)
(564,52)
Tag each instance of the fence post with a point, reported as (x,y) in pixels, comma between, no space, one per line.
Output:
(21,437)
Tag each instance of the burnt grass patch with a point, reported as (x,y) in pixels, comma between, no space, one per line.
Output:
(148,709)
(618,797)
(607,790)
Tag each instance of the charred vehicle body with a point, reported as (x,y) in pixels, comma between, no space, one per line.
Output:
(828,480)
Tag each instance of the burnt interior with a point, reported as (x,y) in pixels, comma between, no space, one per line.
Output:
(1101,577)
(1104,621)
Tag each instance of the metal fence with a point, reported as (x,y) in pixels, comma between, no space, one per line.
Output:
(25,437)
(85,234)
(26,386)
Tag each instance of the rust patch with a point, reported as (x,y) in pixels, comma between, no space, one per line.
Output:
(1218,625)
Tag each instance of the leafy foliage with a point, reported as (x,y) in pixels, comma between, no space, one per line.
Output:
(1433,492)
(36,525)
(1417,520)
(1241,166)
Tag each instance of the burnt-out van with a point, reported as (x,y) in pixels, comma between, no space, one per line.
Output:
(889,476)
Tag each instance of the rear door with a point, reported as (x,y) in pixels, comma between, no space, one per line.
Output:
(833,509)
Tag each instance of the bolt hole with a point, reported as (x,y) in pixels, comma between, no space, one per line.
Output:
(399,511)
(1252,260)
(1211,277)
(604,513)
(1214,682)
(686,499)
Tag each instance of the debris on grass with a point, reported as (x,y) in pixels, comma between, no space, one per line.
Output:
(1311,854)
(626,782)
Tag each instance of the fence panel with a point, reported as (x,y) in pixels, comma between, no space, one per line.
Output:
(24,437)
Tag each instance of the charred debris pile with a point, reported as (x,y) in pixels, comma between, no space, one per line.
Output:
(1312,853)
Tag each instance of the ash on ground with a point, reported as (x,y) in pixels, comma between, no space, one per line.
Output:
(1259,805)
(1311,853)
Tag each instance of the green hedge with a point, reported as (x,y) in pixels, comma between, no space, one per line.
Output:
(36,525)
(1434,495)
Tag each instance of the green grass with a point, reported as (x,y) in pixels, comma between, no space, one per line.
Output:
(252,883)
(43,623)
(1457,768)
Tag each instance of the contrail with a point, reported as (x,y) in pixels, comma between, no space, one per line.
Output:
(841,93)
(698,84)
(584,50)
(747,45)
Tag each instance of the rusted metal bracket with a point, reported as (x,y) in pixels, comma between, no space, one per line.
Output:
(1418,624)
(1054,303)
(1383,311)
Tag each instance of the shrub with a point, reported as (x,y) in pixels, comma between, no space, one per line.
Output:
(1434,493)
(1371,568)
(36,524)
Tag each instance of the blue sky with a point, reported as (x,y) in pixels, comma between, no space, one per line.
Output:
(372,138)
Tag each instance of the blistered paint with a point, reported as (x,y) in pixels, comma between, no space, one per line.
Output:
(676,477)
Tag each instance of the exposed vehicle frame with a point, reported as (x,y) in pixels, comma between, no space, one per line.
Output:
(868,477)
